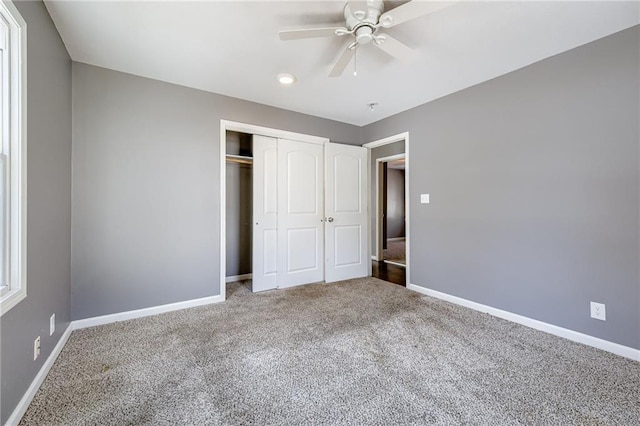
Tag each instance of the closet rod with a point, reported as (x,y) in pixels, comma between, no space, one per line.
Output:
(241,159)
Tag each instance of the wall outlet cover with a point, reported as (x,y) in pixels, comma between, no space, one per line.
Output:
(52,324)
(598,311)
(424,198)
(36,348)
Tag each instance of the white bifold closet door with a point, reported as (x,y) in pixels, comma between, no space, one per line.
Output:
(300,213)
(265,213)
(291,227)
(288,241)
(346,230)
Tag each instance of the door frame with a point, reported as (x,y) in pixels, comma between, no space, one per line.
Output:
(374,144)
(378,203)
(254,130)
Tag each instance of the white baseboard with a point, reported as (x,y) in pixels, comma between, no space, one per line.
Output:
(396,263)
(397,239)
(22,406)
(139,313)
(575,336)
(234,278)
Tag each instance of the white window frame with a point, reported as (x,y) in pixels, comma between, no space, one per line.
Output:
(13,282)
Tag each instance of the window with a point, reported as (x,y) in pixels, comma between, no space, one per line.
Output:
(13,285)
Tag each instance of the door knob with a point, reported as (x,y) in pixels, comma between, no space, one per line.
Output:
(330,219)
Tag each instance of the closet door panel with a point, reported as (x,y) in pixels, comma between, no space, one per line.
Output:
(300,208)
(347,254)
(265,213)
(306,259)
(302,194)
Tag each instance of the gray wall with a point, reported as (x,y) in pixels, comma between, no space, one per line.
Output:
(146,191)
(375,153)
(534,183)
(48,210)
(395,203)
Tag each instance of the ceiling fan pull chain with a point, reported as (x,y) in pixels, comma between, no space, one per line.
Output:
(355,60)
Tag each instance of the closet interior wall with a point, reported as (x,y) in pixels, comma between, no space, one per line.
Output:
(239,204)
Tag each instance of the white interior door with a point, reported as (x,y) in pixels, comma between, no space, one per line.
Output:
(347,235)
(265,213)
(300,213)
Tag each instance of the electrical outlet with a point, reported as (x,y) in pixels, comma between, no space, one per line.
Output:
(36,348)
(52,324)
(598,311)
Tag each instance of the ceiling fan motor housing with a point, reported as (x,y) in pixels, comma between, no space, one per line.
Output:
(354,19)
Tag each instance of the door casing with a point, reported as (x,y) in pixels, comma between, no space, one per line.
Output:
(226,125)
(372,211)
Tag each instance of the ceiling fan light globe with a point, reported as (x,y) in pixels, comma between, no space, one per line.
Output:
(364,38)
(364,35)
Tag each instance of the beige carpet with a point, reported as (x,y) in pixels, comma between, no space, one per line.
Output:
(396,251)
(360,352)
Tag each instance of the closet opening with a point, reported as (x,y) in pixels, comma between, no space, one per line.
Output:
(294,209)
(239,209)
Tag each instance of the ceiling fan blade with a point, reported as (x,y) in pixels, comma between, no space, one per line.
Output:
(394,48)
(342,63)
(311,33)
(411,10)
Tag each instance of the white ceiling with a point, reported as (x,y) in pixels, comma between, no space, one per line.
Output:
(233,48)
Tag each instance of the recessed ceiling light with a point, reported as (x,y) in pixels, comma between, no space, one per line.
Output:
(286,79)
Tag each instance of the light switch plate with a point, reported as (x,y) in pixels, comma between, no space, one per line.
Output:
(424,198)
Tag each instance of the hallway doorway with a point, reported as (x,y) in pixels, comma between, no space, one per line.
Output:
(392,211)
(389,166)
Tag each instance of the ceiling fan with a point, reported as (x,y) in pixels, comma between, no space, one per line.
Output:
(364,19)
